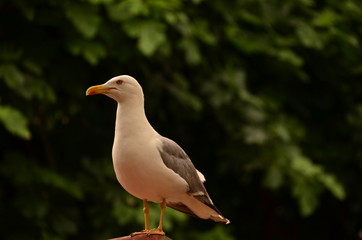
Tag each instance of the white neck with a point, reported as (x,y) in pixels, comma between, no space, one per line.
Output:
(131,120)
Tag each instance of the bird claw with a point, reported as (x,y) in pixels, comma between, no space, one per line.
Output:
(139,233)
(154,231)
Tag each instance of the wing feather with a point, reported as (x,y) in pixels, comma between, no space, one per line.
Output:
(175,158)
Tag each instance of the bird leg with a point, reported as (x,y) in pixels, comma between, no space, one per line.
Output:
(159,230)
(163,208)
(146,213)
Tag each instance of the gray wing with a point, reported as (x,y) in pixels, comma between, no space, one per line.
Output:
(175,158)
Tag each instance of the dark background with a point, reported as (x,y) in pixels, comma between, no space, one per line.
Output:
(264,96)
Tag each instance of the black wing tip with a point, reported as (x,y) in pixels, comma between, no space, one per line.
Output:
(205,199)
(182,208)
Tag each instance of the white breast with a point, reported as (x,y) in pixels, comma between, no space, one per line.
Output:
(141,171)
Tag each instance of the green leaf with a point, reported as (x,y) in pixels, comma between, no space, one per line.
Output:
(202,31)
(327,18)
(251,18)
(33,67)
(58,181)
(93,52)
(274,177)
(305,167)
(165,4)
(181,91)
(150,35)
(245,41)
(100,1)
(84,18)
(309,178)
(335,187)
(309,37)
(216,233)
(64,225)
(287,55)
(14,121)
(12,75)
(255,135)
(188,99)
(281,131)
(192,52)
(123,213)
(126,9)
(307,197)
(42,90)
(90,50)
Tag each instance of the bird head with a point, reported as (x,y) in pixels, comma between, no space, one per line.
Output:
(119,88)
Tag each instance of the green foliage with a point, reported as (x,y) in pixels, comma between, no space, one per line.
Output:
(307,178)
(265,96)
(92,52)
(214,234)
(14,121)
(150,35)
(84,17)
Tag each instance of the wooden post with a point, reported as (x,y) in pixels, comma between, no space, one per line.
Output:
(143,237)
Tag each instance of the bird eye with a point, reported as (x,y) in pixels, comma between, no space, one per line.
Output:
(119,82)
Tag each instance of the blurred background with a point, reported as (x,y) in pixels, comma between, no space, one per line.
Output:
(264,96)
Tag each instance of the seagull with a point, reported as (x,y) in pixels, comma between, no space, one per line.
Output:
(149,166)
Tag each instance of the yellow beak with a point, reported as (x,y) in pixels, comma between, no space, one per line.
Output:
(97,90)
